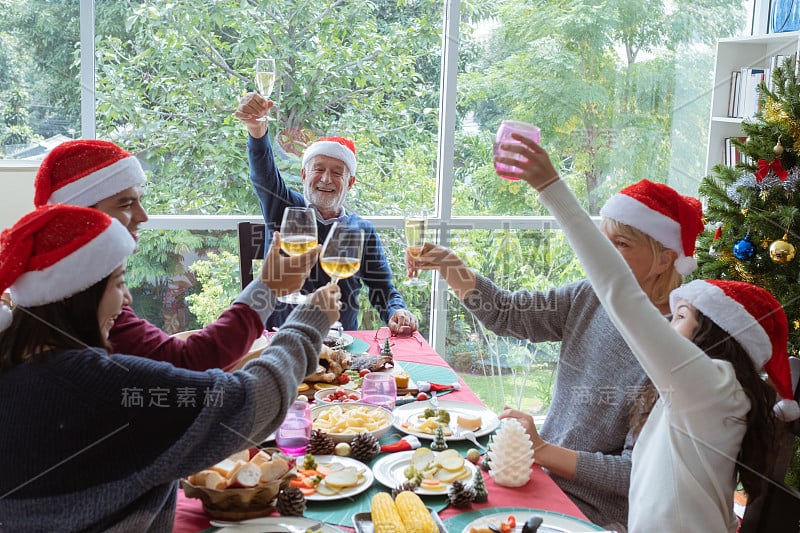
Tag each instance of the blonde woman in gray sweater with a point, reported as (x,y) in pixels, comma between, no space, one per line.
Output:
(585,442)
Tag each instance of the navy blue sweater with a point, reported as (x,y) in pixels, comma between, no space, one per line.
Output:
(275,196)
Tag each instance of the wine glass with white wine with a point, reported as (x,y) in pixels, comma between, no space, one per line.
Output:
(298,236)
(341,254)
(416,226)
(265,79)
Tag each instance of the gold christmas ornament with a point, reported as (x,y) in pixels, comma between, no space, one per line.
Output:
(782,251)
(744,211)
(778,148)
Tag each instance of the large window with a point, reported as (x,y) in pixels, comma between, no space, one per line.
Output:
(619,89)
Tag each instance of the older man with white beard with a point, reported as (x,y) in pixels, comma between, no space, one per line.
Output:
(328,172)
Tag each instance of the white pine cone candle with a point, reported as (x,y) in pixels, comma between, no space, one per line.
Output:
(510,455)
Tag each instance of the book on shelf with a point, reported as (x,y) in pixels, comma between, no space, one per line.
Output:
(744,82)
(731,153)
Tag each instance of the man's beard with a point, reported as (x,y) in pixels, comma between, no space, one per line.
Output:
(327,201)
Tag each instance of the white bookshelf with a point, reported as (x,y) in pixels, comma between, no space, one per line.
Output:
(733,54)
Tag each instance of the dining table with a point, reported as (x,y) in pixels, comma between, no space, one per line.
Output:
(416,357)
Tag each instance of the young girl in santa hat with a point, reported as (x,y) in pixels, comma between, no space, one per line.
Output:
(91,442)
(714,419)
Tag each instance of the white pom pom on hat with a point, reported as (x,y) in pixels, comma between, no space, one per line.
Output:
(752,316)
(662,213)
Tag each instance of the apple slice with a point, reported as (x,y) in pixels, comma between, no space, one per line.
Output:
(341,479)
(422,457)
(451,462)
(324,489)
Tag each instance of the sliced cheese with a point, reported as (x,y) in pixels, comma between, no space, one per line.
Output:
(469,422)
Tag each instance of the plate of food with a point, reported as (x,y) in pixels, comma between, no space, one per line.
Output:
(331,477)
(422,419)
(334,338)
(433,472)
(343,421)
(517,520)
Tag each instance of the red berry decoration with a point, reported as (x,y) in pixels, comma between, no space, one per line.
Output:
(364,371)
(422,396)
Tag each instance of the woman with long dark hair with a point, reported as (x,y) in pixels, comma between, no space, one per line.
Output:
(714,417)
(93,440)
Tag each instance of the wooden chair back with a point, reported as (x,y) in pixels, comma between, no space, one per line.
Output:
(251,247)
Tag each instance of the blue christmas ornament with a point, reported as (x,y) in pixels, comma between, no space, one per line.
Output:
(744,249)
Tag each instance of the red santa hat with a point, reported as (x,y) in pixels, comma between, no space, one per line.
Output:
(337,147)
(756,320)
(58,251)
(662,213)
(85,171)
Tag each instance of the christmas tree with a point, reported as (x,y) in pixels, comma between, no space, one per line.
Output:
(752,210)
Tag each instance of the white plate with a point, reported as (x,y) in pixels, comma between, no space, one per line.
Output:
(296,524)
(409,414)
(344,493)
(346,338)
(389,471)
(553,522)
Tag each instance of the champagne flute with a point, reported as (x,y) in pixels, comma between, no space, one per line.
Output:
(298,235)
(341,255)
(416,227)
(265,79)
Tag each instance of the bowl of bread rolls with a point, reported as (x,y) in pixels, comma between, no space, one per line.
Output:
(241,486)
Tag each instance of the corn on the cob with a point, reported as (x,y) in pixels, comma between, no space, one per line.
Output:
(385,518)
(414,514)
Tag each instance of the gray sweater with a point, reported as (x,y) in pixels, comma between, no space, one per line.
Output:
(96,443)
(597,381)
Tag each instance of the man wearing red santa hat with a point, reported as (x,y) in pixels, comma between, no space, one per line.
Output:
(100,174)
(328,172)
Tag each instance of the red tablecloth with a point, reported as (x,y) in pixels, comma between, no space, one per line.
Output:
(540,493)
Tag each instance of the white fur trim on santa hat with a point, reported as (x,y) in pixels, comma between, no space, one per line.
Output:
(787,410)
(101,184)
(331,149)
(76,272)
(728,314)
(667,231)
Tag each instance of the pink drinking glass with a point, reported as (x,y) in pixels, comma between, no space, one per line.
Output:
(507,127)
(379,388)
(293,434)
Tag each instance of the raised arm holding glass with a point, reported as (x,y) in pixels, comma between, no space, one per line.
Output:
(587,442)
(328,172)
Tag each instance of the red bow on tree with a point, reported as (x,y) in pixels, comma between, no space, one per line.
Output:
(775,166)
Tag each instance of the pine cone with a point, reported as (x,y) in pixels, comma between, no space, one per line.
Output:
(408,485)
(364,447)
(320,443)
(291,502)
(460,495)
